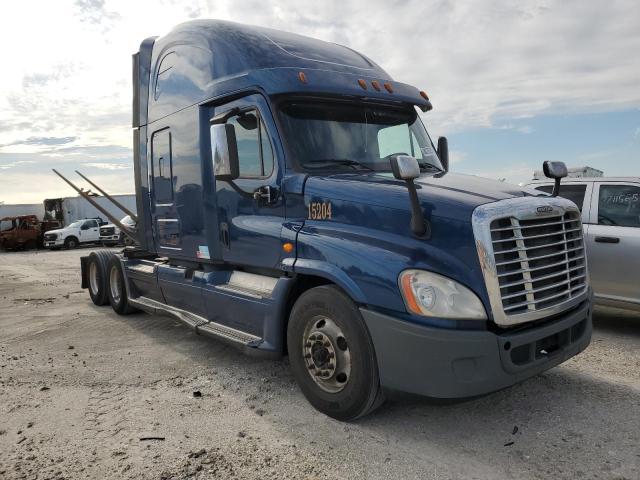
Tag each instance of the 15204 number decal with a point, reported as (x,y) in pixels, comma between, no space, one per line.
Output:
(320,210)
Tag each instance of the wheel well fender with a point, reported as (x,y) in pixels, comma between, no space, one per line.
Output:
(314,274)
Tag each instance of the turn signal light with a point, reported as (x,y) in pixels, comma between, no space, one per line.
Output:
(287,247)
(376,85)
(362,83)
(424,95)
(302,77)
(388,87)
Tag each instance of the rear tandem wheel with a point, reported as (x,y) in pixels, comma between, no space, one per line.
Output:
(97,276)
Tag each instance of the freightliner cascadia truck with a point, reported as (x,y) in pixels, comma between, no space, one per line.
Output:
(291,202)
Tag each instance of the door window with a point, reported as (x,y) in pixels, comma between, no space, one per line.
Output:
(572,191)
(619,205)
(162,168)
(254,149)
(398,139)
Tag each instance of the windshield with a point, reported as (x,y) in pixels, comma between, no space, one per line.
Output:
(75,224)
(331,135)
(6,225)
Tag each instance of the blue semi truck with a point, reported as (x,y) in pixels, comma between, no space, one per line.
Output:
(291,202)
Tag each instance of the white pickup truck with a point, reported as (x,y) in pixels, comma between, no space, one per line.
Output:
(79,232)
(111,235)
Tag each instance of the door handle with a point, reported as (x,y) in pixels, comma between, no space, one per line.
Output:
(607,239)
(264,193)
(224,235)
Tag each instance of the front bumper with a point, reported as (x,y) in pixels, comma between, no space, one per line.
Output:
(110,238)
(443,363)
(53,243)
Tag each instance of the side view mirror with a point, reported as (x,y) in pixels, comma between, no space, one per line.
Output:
(405,167)
(557,171)
(224,152)
(443,152)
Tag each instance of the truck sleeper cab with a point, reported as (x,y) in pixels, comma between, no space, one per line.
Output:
(290,201)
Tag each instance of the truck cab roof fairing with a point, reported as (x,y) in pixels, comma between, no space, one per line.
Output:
(203,59)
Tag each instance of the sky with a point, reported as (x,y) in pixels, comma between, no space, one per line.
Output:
(513,83)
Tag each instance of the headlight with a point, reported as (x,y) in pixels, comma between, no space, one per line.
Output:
(432,295)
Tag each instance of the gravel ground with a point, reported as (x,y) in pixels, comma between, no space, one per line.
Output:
(85,393)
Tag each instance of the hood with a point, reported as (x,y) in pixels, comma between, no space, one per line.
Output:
(452,195)
(59,230)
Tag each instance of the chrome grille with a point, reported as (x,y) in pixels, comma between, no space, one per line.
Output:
(107,231)
(539,262)
(531,251)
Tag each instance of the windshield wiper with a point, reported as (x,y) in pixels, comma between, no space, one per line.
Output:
(327,162)
(429,166)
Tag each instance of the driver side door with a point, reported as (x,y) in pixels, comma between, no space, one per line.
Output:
(251,208)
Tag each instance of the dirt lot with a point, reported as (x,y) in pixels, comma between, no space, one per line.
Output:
(85,393)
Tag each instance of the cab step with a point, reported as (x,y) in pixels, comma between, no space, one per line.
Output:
(202,326)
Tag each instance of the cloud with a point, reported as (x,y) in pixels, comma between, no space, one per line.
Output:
(47,141)
(11,126)
(107,166)
(456,157)
(525,129)
(484,64)
(95,13)
(7,166)
(519,172)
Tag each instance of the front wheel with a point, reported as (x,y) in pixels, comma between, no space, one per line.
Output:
(71,242)
(332,355)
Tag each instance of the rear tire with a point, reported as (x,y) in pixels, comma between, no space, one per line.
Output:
(117,290)
(332,355)
(97,276)
(71,242)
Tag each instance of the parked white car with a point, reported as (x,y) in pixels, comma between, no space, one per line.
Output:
(79,232)
(610,209)
(110,234)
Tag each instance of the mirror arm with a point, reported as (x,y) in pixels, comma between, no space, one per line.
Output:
(556,188)
(224,116)
(419,225)
(237,189)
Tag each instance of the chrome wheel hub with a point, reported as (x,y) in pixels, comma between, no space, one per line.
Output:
(326,354)
(114,284)
(93,278)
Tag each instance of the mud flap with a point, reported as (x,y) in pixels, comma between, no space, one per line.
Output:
(84,281)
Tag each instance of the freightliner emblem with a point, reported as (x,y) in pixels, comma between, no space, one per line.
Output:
(544,209)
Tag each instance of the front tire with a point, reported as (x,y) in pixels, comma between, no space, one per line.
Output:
(71,243)
(117,291)
(332,355)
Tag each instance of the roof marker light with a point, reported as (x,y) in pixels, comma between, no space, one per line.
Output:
(388,87)
(302,77)
(376,85)
(362,83)
(424,95)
